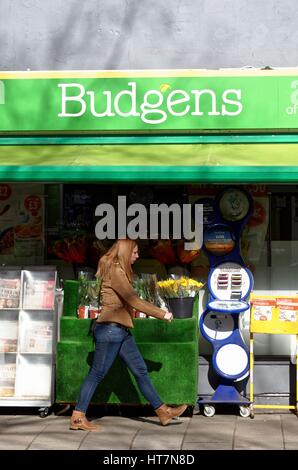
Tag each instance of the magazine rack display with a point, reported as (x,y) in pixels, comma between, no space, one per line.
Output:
(230,284)
(27,336)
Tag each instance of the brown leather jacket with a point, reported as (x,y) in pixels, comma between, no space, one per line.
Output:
(118,299)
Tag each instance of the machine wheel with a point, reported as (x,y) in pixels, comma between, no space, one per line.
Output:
(44,412)
(244,411)
(209,411)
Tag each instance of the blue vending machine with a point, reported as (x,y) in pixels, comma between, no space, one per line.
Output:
(229,284)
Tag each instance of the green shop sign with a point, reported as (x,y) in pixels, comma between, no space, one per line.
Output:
(139,101)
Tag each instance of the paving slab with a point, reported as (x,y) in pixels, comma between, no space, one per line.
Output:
(161,437)
(18,432)
(263,432)
(118,433)
(218,429)
(221,432)
(289,424)
(58,436)
(206,446)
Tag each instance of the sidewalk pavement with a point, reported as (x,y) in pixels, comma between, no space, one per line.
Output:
(278,431)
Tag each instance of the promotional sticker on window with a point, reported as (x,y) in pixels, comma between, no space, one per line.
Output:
(263,309)
(288,309)
(274,315)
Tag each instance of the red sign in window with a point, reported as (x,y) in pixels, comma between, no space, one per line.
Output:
(33,204)
(5,192)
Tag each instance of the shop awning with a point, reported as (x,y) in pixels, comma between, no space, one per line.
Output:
(216,159)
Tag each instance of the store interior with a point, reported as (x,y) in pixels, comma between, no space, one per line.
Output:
(34,216)
(39,222)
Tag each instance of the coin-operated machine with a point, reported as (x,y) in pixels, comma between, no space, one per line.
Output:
(229,284)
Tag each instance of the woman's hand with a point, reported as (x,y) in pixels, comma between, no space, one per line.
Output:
(168,316)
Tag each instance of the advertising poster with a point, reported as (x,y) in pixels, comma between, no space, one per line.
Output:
(219,240)
(274,314)
(21,224)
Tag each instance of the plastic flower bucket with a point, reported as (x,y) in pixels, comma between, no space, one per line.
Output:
(181,307)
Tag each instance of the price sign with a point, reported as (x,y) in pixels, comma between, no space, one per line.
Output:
(33,204)
(5,192)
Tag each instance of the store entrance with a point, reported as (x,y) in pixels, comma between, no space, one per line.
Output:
(38,220)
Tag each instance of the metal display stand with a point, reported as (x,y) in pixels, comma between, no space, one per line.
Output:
(272,315)
(28,334)
(230,284)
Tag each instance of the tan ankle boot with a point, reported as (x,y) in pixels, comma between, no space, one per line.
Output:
(79,421)
(167,413)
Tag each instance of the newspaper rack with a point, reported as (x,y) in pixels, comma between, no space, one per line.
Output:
(28,336)
(272,315)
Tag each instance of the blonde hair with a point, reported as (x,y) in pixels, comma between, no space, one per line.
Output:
(120,252)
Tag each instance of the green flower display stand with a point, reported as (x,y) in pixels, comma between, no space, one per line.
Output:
(170,351)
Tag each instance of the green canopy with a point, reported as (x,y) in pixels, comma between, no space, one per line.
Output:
(160,162)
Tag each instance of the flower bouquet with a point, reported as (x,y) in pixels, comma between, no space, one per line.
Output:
(179,293)
(179,287)
(88,301)
(145,286)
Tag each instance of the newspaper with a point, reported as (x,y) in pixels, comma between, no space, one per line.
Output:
(8,336)
(39,294)
(7,380)
(37,337)
(9,293)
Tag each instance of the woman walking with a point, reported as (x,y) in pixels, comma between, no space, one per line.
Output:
(113,336)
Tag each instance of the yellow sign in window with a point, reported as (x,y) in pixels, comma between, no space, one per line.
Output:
(274,314)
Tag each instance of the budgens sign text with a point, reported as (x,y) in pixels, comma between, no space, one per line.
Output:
(154,107)
(140,101)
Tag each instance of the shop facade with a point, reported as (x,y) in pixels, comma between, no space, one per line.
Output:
(193,131)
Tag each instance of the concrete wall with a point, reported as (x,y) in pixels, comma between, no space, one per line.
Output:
(142,34)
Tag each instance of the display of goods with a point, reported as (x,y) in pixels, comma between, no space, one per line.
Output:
(186,256)
(233,204)
(163,251)
(87,311)
(219,240)
(9,293)
(39,294)
(179,287)
(145,286)
(72,249)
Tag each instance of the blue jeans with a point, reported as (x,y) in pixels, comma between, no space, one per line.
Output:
(110,340)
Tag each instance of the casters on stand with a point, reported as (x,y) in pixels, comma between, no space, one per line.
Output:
(244,411)
(209,411)
(44,412)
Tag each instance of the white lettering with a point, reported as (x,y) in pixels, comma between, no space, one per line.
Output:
(173,102)
(122,217)
(105,228)
(108,111)
(189,234)
(164,210)
(78,98)
(2,92)
(158,214)
(227,100)
(140,221)
(294,94)
(133,97)
(152,109)
(198,94)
